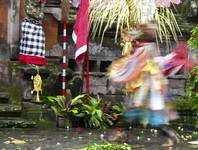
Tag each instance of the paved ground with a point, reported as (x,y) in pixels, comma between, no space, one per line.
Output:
(58,139)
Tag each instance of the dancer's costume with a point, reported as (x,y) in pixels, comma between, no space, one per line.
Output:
(143,74)
(32,44)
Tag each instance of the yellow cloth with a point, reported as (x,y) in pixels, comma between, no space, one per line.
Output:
(150,68)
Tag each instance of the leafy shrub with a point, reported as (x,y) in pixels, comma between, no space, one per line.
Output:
(190,102)
(87,108)
(193,41)
(57,104)
(192,85)
(191,99)
(94,112)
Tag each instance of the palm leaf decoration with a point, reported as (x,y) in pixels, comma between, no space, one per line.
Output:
(120,14)
(167,25)
(107,13)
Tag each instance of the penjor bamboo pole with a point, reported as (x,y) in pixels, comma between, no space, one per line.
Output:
(64,63)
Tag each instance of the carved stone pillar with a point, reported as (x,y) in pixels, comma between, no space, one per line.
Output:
(13,26)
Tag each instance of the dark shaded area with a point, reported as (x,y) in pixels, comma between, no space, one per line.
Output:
(104,65)
(53,3)
(29,72)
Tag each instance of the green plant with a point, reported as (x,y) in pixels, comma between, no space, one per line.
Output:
(112,112)
(117,109)
(193,41)
(192,91)
(57,104)
(94,112)
(192,84)
(184,103)
(89,109)
(190,101)
(107,146)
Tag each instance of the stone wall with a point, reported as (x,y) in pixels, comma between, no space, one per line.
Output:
(177,85)
(100,58)
(5,74)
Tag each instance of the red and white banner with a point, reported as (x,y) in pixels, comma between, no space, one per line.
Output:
(81,31)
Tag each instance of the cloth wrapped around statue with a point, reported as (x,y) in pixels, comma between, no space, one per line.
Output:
(32,43)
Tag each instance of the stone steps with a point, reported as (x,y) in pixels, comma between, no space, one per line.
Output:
(10,117)
(10,114)
(4,97)
(10,108)
(16,122)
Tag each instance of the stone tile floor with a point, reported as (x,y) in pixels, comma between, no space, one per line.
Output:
(59,139)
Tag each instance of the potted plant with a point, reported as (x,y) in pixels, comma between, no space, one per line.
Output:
(60,107)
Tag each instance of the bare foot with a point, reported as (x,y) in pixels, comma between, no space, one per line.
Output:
(169,143)
(118,136)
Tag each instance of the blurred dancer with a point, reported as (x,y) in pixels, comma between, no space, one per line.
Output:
(143,74)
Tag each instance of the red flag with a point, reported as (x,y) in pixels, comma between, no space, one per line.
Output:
(81,31)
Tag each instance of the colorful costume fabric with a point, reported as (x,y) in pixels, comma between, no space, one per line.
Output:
(179,59)
(32,43)
(146,84)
